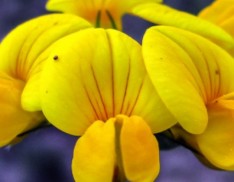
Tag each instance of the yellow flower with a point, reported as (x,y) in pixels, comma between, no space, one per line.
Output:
(104,13)
(194,79)
(98,87)
(107,13)
(22,54)
(221,13)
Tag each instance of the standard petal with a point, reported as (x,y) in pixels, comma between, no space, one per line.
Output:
(139,150)
(174,83)
(13,119)
(94,153)
(30,45)
(163,15)
(29,40)
(217,142)
(211,66)
(97,75)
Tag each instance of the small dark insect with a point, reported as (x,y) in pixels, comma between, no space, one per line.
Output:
(55,58)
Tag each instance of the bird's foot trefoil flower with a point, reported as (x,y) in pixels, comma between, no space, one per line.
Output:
(195,83)
(98,87)
(22,55)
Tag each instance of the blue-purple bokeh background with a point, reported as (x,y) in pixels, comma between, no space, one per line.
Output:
(45,155)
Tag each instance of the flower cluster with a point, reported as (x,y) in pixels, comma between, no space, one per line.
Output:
(78,71)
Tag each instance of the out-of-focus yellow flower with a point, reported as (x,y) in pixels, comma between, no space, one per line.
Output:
(95,80)
(221,13)
(101,13)
(107,13)
(194,79)
(22,54)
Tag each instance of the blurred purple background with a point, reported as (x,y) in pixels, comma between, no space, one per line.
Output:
(45,155)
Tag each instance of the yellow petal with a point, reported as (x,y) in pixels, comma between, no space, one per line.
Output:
(98,74)
(13,119)
(94,153)
(163,15)
(97,12)
(174,83)
(228,25)
(221,14)
(218,11)
(217,142)
(30,45)
(139,149)
(211,67)
(226,101)
(122,148)
(150,106)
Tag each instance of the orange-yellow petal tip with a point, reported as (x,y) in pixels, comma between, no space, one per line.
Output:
(122,148)
(140,152)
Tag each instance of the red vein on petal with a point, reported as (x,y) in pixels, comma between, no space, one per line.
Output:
(25,64)
(112,73)
(16,70)
(87,94)
(210,86)
(126,87)
(138,94)
(99,92)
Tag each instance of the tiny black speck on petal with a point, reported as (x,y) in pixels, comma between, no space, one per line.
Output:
(55,57)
